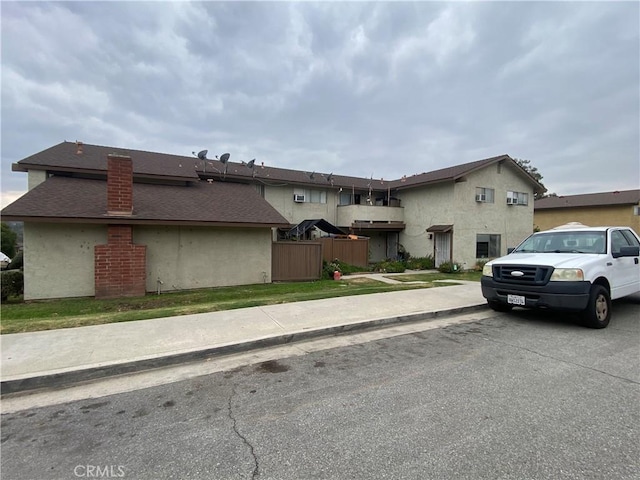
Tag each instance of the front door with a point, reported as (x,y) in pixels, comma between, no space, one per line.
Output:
(442,248)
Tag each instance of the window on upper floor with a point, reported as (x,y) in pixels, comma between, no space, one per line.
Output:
(517,198)
(304,195)
(485,195)
(487,245)
(349,198)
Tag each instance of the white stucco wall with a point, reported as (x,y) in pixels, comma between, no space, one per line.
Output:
(59,259)
(199,257)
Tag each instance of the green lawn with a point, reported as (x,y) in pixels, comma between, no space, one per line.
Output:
(18,316)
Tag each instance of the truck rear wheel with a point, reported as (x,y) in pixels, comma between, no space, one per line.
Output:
(598,311)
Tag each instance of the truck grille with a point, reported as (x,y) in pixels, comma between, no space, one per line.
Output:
(531,274)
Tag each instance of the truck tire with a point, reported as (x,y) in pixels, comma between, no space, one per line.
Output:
(499,306)
(598,311)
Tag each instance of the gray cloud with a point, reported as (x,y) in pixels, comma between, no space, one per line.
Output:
(382,89)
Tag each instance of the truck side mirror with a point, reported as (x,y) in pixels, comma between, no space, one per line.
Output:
(627,252)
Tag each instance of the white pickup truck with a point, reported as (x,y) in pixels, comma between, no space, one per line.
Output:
(572,267)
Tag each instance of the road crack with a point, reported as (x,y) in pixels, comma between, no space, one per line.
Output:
(256,470)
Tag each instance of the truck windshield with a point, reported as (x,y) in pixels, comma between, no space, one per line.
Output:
(564,242)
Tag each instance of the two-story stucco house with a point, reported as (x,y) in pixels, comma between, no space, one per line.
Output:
(186,222)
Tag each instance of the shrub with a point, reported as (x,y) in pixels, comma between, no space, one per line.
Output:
(329,267)
(17,262)
(12,283)
(479,265)
(450,267)
(420,263)
(389,266)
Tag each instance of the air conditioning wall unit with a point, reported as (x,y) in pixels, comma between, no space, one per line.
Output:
(298,198)
(480,197)
(512,201)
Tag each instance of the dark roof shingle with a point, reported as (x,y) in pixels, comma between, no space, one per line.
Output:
(624,197)
(78,199)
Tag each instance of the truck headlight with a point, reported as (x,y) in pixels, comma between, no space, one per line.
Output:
(487,270)
(567,275)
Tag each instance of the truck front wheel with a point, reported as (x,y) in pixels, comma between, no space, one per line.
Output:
(598,311)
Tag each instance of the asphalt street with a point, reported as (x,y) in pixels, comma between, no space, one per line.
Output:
(522,395)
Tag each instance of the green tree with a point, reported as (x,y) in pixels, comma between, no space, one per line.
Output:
(533,171)
(8,241)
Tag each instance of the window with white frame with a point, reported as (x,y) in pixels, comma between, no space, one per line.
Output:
(487,245)
(310,196)
(517,198)
(484,195)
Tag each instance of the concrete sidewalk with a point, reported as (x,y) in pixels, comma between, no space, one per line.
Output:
(62,357)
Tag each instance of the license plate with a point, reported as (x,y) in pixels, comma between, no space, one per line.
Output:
(515,299)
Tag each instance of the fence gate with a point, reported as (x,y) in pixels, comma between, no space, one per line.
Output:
(296,261)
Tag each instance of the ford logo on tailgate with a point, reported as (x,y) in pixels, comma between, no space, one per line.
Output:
(517,273)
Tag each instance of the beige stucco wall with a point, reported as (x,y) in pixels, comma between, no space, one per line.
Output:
(454,204)
(621,215)
(35,178)
(512,222)
(59,259)
(423,207)
(281,198)
(199,257)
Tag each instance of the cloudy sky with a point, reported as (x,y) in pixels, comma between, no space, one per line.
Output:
(380,89)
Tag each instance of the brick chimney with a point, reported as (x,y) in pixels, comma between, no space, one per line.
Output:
(119,185)
(120,265)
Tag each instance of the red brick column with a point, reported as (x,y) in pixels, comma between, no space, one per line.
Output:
(120,266)
(119,185)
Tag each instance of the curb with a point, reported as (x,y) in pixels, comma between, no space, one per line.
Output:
(74,377)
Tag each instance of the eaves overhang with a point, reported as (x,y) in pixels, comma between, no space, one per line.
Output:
(132,220)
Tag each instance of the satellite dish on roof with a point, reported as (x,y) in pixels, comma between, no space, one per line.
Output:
(251,163)
(224,158)
(202,154)
(330,177)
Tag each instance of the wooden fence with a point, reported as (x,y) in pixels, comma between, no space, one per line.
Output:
(302,261)
(296,261)
(354,252)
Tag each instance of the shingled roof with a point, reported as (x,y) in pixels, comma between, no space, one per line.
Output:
(92,159)
(73,200)
(65,157)
(624,197)
(451,174)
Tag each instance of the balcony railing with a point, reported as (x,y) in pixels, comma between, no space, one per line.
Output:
(375,216)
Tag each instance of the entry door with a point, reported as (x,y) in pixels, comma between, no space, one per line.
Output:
(442,248)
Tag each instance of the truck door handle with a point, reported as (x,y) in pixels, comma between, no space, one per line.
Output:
(635,260)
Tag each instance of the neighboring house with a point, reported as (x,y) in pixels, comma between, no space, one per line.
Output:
(619,208)
(183,222)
